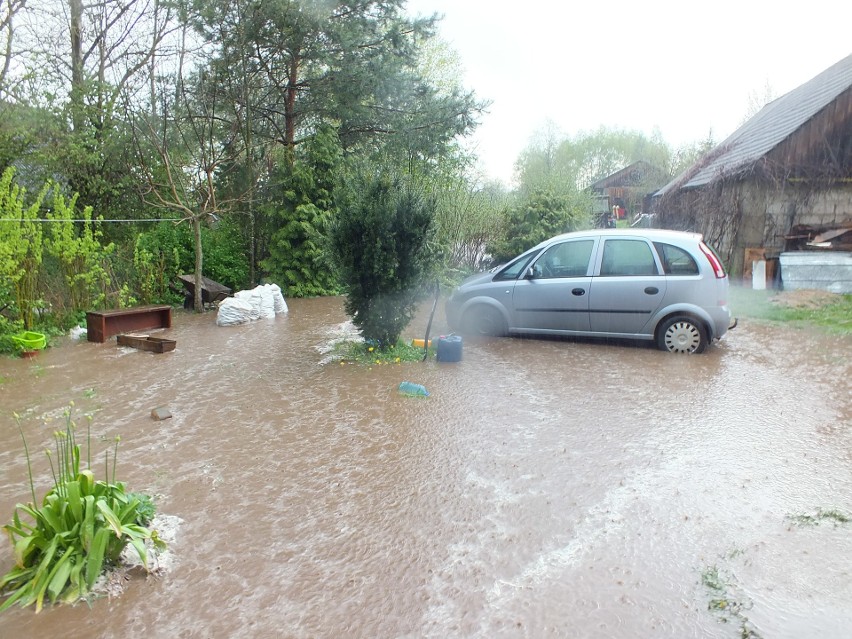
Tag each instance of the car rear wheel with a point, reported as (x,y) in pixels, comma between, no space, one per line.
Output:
(484,320)
(682,334)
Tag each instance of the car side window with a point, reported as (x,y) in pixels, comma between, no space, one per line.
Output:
(628,257)
(676,261)
(566,259)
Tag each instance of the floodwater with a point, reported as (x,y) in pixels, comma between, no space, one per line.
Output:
(545,488)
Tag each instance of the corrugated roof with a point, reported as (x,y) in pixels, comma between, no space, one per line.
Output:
(773,124)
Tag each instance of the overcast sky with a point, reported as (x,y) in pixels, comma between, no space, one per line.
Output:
(685,69)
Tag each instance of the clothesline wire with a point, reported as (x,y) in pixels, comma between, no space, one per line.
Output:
(41,219)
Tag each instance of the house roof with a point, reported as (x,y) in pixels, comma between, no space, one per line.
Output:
(773,124)
(628,176)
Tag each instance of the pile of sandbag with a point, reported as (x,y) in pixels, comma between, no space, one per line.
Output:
(264,301)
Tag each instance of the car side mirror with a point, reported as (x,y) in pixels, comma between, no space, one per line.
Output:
(533,272)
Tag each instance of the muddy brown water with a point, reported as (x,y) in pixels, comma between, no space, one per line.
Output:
(546,488)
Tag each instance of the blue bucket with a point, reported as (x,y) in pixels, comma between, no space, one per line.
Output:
(449,348)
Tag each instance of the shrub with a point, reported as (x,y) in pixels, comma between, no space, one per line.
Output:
(81,527)
(21,245)
(380,240)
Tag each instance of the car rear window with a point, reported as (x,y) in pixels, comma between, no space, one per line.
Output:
(676,261)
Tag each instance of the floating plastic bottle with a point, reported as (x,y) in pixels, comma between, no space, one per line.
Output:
(413,390)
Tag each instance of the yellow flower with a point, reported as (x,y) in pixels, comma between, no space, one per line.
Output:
(370,350)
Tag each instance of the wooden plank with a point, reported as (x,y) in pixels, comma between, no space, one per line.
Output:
(147,343)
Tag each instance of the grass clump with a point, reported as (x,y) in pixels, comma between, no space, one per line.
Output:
(82,526)
(832,515)
(730,607)
(364,353)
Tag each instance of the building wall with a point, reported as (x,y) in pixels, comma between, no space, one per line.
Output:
(750,213)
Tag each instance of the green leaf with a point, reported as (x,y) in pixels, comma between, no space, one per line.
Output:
(87,533)
(41,579)
(32,512)
(139,546)
(46,559)
(16,574)
(51,515)
(87,482)
(95,558)
(19,594)
(75,500)
(24,548)
(78,585)
(111,518)
(59,576)
(127,514)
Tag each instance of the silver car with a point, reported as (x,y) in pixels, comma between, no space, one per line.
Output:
(639,284)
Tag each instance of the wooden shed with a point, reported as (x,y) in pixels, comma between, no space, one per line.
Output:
(626,189)
(787,168)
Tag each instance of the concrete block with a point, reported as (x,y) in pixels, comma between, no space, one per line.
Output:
(160,413)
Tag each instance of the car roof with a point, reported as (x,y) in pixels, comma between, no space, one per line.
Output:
(650,234)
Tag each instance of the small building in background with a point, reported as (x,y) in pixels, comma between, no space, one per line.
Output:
(622,195)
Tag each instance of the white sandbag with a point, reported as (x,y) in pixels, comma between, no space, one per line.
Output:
(253,299)
(233,311)
(278,299)
(78,332)
(267,303)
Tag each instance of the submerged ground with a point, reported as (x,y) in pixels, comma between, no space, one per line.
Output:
(545,488)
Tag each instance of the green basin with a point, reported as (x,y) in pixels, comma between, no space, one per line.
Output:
(30,340)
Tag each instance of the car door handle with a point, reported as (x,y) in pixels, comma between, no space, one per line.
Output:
(578,291)
(652,290)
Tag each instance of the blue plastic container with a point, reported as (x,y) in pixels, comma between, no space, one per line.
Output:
(449,348)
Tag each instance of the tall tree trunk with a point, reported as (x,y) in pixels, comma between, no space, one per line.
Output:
(196,231)
(290,105)
(77,90)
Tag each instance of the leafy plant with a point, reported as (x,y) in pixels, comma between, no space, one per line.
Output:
(81,527)
(80,252)
(146,509)
(21,245)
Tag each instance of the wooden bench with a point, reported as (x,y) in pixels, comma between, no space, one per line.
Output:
(101,325)
(211,291)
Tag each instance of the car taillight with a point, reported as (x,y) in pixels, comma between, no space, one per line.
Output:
(715,263)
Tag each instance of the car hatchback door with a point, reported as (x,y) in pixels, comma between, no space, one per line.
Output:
(553,296)
(628,289)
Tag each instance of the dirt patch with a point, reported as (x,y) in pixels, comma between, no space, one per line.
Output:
(113,582)
(803,298)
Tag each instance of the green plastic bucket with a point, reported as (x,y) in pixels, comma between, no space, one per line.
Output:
(30,340)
